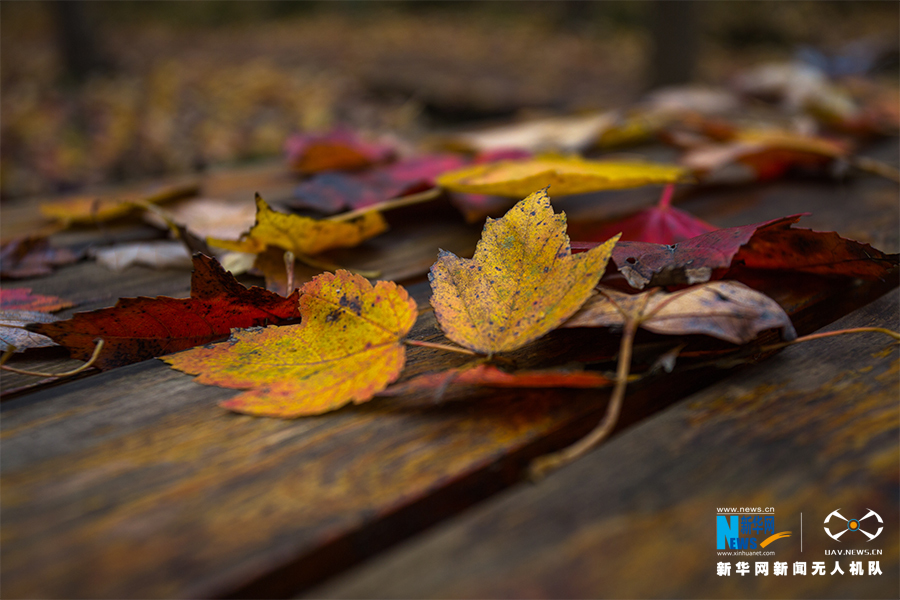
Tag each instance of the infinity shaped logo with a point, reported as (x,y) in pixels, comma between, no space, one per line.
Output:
(853,525)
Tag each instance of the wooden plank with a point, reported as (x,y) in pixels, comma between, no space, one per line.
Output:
(134,483)
(812,430)
(90,286)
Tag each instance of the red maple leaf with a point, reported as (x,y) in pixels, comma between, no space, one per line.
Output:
(769,245)
(491,376)
(136,329)
(660,224)
(340,149)
(333,192)
(32,257)
(23,299)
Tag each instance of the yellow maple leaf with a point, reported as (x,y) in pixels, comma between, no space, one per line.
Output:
(91,209)
(564,175)
(348,347)
(522,282)
(301,235)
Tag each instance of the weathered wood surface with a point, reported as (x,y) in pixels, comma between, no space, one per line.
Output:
(133,483)
(811,430)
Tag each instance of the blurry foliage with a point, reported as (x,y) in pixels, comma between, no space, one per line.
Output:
(193,84)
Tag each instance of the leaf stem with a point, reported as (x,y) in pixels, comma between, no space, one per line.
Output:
(289,269)
(83,367)
(543,465)
(10,350)
(816,336)
(424,344)
(870,165)
(666,200)
(411,199)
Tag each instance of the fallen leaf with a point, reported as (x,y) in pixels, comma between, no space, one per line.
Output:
(769,245)
(522,282)
(726,310)
(490,376)
(761,156)
(692,99)
(348,347)
(566,134)
(12,333)
(23,299)
(32,257)
(779,246)
(661,224)
(330,193)
(191,242)
(800,87)
(136,329)
(564,175)
(238,263)
(340,149)
(633,127)
(208,217)
(302,235)
(92,209)
(161,254)
(694,108)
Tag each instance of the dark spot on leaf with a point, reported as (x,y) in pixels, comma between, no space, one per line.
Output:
(333,316)
(352,304)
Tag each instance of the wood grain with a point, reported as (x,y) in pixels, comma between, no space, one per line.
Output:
(812,430)
(133,483)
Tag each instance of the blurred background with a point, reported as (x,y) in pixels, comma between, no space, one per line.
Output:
(105,92)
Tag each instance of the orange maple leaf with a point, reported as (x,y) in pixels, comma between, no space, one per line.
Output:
(348,347)
(91,209)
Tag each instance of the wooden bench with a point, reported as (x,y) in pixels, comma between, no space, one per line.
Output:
(134,483)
